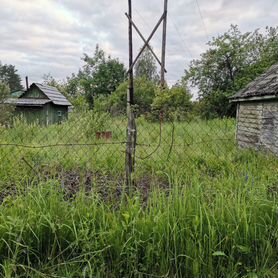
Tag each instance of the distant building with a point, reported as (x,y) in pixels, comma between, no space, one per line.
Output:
(257,113)
(41,104)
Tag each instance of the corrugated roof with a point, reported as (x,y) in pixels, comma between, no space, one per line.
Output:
(264,85)
(53,94)
(27,101)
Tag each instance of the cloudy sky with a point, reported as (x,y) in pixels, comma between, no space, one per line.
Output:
(50,36)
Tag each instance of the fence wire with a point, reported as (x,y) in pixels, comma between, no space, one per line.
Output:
(90,147)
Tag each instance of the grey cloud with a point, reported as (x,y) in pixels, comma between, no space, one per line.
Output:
(45,36)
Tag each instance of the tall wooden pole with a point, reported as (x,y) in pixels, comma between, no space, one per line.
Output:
(130,43)
(162,79)
(131,129)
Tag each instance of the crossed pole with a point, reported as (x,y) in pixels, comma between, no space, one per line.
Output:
(163,19)
(131,128)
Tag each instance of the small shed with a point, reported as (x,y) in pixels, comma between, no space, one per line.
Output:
(41,104)
(257,113)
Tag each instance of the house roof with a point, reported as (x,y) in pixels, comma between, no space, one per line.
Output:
(263,87)
(53,94)
(27,101)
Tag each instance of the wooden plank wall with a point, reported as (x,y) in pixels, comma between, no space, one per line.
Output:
(269,130)
(249,124)
(257,126)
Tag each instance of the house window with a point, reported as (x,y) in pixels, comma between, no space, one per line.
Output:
(59,113)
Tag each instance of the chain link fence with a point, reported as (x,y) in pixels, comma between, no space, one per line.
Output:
(92,145)
(89,150)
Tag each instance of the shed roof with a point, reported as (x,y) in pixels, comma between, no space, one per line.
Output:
(263,87)
(27,101)
(53,94)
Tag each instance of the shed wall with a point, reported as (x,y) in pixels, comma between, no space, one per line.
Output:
(32,115)
(56,113)
(257,125)
(47,115)
(269,131)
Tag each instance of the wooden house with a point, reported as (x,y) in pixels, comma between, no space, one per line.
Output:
(257,113)
(41,104)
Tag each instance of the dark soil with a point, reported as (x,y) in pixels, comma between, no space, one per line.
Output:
(10,190)
(108,186)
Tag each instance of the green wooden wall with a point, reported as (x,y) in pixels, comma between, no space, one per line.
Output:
(56,113)
(47,115)
(32,115)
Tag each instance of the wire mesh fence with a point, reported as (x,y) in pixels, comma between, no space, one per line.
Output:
(95,142)
(89,149)
(88,152)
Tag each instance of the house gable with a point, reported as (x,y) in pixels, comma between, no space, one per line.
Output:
(35,93)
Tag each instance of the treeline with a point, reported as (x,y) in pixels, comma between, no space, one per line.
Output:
(232,60)
(101,84)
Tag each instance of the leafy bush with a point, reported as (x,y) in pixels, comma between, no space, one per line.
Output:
(115,104)
(79,103)
(174,103)
(216,105)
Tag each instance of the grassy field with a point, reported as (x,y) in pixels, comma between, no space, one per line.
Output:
(200,208)
(74,145)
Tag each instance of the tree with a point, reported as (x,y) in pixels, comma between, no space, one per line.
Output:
(49,80)
(100,75)
(61,86)
(174,103)
(146,67)
(270,49)
(232,61)
(9,75)
(73,87)
(5,109)
(144,93)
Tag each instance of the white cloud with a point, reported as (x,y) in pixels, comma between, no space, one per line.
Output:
(42,36)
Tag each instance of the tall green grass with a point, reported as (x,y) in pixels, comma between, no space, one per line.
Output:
(74,145)
(187,232)
(205,209)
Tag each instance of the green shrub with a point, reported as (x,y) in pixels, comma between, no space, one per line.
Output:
(115,104)
(174,103)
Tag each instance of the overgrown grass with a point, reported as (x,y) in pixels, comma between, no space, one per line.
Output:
(188,232)
(74,144)
(215,216)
